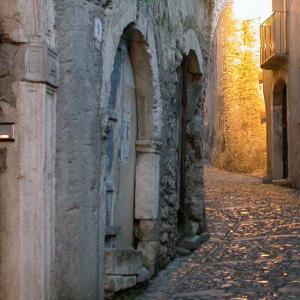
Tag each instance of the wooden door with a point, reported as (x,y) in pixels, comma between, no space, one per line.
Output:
(111,149)
(121,152)
(128,133)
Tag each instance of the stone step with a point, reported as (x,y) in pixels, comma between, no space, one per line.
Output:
(183,251)
(193,242)
(123,262)
(282,182)
(116,283)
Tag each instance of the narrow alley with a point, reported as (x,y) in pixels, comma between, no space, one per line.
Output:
(254,247)
(149,149)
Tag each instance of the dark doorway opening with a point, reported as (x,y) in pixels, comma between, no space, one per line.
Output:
(284,135)
(182,123)
(280,132)
(189,207)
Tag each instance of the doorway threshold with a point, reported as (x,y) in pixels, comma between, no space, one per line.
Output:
(283,183)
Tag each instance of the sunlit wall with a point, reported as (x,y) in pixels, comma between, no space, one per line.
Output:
(235,108)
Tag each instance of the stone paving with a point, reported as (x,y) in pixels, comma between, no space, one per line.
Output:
(254,246)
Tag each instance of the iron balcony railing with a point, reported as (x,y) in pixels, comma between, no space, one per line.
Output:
(273,39)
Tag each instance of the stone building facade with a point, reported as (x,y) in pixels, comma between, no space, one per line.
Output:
(280,64)
(235,129)
(28,89)
(101,150)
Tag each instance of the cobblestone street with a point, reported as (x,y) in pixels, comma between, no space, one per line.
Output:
(254,246)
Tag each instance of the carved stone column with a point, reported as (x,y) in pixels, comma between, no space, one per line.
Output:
(37,79)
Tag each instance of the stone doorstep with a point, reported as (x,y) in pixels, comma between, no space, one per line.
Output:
(193,242)
(123,262)
(116,283)
(183,251)
(283,183)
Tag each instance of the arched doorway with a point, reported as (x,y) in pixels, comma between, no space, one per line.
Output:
(191,210)
(133,147)
(280,132)
(133,152)
(121,151)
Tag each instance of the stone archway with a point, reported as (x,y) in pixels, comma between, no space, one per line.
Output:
(147,116)
(280,131)
(148,144)
(133,175)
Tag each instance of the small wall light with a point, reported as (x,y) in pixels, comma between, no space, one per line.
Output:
(7,132)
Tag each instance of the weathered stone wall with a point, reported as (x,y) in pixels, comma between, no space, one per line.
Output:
(172,30)
(77,241)
(235,125)
(53,177)
(175,25)
(28,82)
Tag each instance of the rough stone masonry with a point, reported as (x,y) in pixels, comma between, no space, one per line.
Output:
(105,177)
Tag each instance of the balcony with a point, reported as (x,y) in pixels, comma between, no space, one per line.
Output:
(273,39)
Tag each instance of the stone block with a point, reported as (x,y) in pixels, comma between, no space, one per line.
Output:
(194,227)
(116,283)
(123,262)
(148,230)
(150,252)
(147,186)
(143,276)
(283,183)
(196,210)
(183,251)
(193,242)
